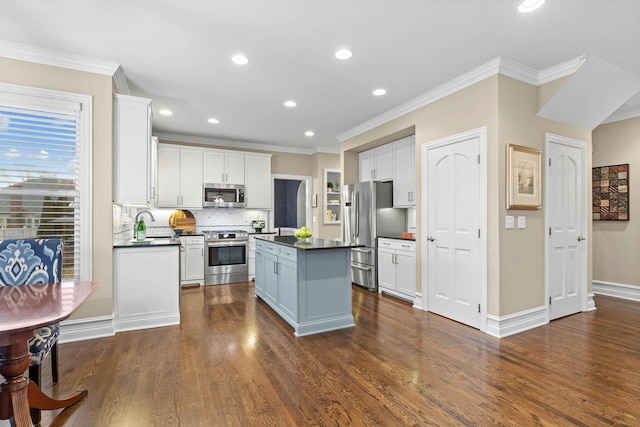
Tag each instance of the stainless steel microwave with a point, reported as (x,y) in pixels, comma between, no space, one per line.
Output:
(223,195)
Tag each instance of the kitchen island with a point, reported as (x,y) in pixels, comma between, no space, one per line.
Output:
(308,283)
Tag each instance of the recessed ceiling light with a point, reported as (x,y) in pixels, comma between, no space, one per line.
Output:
(166,112)
(290,104)
(344,54)
(379,92)
(530,5)
(212,120)
(309,133)
(240,60)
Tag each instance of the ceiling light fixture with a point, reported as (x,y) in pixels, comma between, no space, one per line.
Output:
(240,60)
(290,104)
(213,121)
(309,133)
(379,92)
(530,5)
(344,54)
(166,112)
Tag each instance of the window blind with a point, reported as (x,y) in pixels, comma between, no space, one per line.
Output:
(41,173)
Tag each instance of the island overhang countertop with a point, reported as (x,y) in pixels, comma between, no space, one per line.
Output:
(308,244)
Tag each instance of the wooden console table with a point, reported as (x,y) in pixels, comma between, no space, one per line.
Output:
(24,309)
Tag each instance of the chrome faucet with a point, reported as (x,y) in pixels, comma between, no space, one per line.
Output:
(145,211)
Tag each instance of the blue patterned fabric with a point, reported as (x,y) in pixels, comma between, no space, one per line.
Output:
(28,262)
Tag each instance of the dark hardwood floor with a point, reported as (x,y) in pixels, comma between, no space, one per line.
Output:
(234,362)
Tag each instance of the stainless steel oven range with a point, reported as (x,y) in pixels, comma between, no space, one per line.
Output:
(226,260)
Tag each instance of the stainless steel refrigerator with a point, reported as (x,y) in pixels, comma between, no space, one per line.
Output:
(369,214)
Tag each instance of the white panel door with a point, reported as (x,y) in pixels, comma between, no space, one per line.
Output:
(453,224)
(565,194)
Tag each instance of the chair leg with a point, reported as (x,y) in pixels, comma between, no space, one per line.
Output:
(35,373)
(54,362)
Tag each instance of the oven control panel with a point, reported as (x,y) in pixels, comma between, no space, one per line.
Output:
(226,235)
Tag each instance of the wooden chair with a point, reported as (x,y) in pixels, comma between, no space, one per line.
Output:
(28,262)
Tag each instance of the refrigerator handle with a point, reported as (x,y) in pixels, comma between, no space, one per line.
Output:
(357,212)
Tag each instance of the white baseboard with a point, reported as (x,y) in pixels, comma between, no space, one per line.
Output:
(618,290)
(86,329)
(515,323)
(591,304)
(418,302)
(146,322)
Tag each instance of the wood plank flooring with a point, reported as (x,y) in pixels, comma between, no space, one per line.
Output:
(234,362)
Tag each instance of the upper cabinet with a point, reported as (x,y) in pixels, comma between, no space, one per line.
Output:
(257,179)
(224,167)
(179,177)
(376,164)
(404,172)
(133,151)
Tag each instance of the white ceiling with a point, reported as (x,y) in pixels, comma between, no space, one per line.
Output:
(178,54)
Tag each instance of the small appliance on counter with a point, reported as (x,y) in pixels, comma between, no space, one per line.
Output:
(258,225)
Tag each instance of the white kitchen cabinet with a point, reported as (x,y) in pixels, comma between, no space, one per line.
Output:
(223,167)
(376,164)
(257,180)
(332,196)
(153,173)
(191,260)
(179,177)
(132,148)
(404,175)
(397,267)
(146,287)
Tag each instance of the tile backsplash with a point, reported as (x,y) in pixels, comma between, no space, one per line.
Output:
(206,219)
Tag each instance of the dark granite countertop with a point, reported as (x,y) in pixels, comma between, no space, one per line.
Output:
(309,244)
(149,242)
(397,238)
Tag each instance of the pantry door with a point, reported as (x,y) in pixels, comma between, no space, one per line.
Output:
(566,226)
(454,196)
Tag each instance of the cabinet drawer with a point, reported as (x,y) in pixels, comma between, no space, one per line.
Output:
(397,244)
(288,253)
(271,248)
(195,240)
(260,244)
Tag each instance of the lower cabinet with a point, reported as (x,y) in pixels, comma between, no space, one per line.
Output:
(146,287)
(191,260)
(251,254)
(397,267)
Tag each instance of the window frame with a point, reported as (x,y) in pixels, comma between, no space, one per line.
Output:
(60,100)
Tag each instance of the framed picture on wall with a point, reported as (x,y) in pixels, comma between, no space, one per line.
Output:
(610,193)
(524,177)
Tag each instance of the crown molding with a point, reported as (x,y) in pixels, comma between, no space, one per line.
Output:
(171,137)
(56,58)
(474,76)
(561,70)
(120,81)
(500,65)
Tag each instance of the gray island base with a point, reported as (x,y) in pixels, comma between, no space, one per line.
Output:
(307,283)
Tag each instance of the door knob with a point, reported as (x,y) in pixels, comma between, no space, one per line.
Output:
(580,238)
(431,239)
